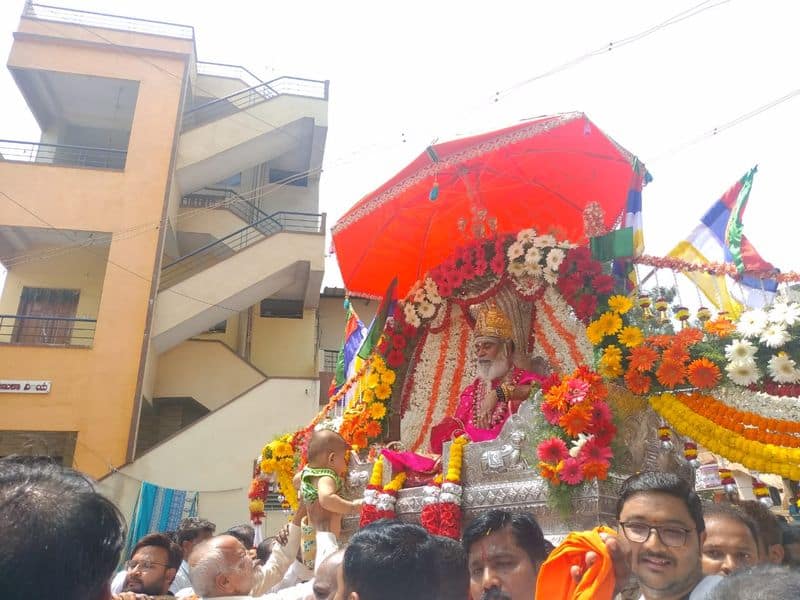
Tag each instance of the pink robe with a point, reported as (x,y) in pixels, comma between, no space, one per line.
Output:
(464,412)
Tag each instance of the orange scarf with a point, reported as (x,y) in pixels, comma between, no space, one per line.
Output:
(555,581)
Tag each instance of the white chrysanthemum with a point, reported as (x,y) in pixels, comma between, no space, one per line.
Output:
(516,269)
(550,276)
(526,236)
(578,443)
(554,258)
(533,269)
(426,310)
(739,350)
(783,369)
(411,315)
(515,250)
(752,323)
(533,256)
(419,295)
(785,312)
(432,291)
(544,241)
(775,335)
(743,372)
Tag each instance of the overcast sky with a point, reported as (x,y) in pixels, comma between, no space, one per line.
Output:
(404,74)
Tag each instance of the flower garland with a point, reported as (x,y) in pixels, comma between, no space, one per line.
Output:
(369,511)
(755,455)
(258,492)
(279,459)
(576,443)
(364,417)
(441,510)
(387,499)
(711,268)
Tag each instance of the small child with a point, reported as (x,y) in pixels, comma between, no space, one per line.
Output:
(321,479)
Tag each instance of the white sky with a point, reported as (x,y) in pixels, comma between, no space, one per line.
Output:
(421,70)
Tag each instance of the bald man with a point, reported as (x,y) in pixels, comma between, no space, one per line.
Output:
(325,583)
(221,568)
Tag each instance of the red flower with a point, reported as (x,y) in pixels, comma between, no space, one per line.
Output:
(605,434)
(551,413)
(383,346)
(638,382)
(480,267)
(409,331)
(395,358)
(369,514)
(592,451)
(398,342)
(498,264)
(430,518)
(445,289)
(585,307)
(592,268)
(601,413)
(579,254)
(569,285)
(603,284)
(642,358)
(552,379)
(436,274)
(450,520)
(571,472)
(456,279)
(553,450)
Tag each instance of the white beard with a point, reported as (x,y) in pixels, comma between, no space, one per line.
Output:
(491,370)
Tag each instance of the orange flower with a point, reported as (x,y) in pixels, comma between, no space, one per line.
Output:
(720,327)
(576,420)
(373,429)
(676,353)
(689,336)
(660,341)
(703,374)
(360,439)
(642,358)
(550,472)
(556,396)
(639,383)
(595,469)
(670,373)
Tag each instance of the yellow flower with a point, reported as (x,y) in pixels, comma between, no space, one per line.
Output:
(595,333)
(283,449)
(631,336)
(620,304)
(611,355)
(367,396)
(377,410)
(378,363)
(383,391)
(388,377)
(373,379)
(609,323)
(610,370)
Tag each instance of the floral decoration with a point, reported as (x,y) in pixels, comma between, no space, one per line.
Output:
(257,494)
(279,459)
(365,416)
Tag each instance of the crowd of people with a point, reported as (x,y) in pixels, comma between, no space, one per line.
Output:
(63,540)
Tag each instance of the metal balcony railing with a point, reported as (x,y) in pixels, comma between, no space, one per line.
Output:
(62,155)
(59,14)
(244,99)
(229,200)
(231,71)
(235,242)
(47,331)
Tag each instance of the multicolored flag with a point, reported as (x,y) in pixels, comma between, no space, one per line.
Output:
(354,334)
(719,238)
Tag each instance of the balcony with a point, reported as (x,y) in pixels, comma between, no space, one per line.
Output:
(47,331)
(62,155)
(85,18)
(245,99)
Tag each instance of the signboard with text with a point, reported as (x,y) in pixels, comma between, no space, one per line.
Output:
(24,386)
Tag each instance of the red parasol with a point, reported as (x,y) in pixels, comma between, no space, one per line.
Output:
(542,174)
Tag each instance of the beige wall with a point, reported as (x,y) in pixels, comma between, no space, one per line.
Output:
(207,371)
(285,347)
(218,87)
(196,460)
(217,222)
(80,269)
(230,337)
(292,198)
(332,316)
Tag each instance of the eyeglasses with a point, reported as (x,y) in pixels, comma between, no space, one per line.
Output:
(670,535)
(142,565)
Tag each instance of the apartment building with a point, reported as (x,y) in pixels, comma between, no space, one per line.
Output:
(164,246)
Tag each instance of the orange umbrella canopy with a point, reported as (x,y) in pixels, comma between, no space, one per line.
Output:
(542,174)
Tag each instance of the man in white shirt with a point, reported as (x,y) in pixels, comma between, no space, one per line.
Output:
(191,532)
(221,568)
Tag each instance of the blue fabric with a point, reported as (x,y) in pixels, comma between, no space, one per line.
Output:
(159,509)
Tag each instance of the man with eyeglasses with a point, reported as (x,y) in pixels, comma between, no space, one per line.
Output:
(661,533)
(154,561)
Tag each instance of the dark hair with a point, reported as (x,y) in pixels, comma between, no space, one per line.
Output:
(658,482)
(790,534)
(244,533)
(60,537)
(191,527)
(391,560)
(526,531)
(762,582)
(768,526)
(729,511)
(264,549)
(162,540)
(453,572)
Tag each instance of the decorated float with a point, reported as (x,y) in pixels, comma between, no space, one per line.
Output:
(530,237)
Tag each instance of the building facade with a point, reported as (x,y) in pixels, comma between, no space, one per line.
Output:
(164,247)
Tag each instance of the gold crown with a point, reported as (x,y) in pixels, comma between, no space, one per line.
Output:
(493,322)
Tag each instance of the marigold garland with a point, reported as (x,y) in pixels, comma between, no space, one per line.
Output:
(755,455)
